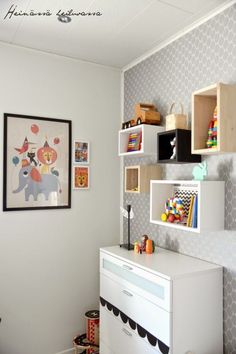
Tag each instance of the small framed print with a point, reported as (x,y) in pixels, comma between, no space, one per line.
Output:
(80,177)
(81,152)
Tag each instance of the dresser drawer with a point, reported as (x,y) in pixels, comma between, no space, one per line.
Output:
(146,284)
(103,348)
(149,316)
(121,338)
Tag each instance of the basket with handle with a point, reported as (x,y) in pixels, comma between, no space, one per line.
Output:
(176,120)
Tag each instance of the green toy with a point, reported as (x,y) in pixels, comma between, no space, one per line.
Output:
(200,171)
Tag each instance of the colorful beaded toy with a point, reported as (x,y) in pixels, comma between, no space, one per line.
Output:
(212,131)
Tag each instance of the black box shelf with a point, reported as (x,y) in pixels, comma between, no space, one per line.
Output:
(183,147)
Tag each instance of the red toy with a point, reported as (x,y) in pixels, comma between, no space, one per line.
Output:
(171,218)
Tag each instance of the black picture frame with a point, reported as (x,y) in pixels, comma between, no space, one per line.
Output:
(45,162)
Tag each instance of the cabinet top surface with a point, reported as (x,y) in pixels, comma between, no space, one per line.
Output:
(167,264)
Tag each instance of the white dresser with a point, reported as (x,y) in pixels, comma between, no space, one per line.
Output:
(164,303)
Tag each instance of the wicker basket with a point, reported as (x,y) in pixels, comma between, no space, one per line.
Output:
(176,120)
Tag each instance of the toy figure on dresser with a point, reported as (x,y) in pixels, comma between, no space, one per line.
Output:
(144,239)
(174,211)
(212,131)
(146,245)
(173,144)
(150,246)
(137,247)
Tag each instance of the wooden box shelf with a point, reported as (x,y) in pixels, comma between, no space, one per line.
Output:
(137,178)
(148,144)
(183,147)
(210,202)
(204,102)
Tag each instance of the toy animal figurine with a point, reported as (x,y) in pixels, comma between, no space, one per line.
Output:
(200,171)
(173,144)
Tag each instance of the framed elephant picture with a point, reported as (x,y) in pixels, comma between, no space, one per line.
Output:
(37,163)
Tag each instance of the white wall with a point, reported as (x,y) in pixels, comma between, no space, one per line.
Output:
(49,259)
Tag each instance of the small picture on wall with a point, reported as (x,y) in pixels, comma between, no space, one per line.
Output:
(81,152)
(80,177)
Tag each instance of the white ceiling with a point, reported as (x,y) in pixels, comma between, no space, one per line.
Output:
(126,30)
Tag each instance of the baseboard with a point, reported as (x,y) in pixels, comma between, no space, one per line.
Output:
(67,351)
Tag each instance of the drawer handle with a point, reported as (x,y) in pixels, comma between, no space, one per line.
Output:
(127,332)
(127,267)
(127,293)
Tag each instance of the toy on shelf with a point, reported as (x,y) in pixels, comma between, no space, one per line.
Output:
(174,210)
(200,171)
(212,131)
(145,113)
(173,144)
(164,217)
(89,342)
(184,213)
(135,141)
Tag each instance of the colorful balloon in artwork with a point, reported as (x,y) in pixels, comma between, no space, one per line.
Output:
(15,160)
(34,128)
(56,141)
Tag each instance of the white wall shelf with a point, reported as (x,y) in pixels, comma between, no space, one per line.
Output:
(149,140)
(210,202)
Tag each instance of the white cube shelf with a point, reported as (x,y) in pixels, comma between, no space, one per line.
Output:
(149,140)
(211,202)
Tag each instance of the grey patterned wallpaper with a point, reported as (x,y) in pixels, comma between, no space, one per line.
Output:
(204,56)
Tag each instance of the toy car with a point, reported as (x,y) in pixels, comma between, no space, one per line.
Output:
(145,113)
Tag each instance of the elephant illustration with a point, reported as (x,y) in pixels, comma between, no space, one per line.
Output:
(34,183)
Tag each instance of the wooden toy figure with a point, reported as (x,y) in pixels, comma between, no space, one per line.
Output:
(136,247)
(143,242)
(150,246)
